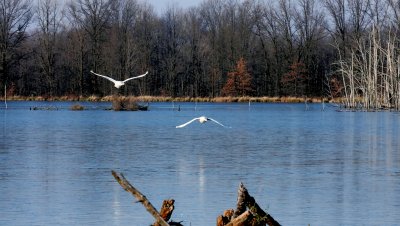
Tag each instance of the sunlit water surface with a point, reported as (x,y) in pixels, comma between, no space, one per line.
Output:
(303,167)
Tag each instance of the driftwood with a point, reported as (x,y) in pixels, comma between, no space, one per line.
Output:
(247,212)
(160,221)
(225,218)
(166,210)
(241,220)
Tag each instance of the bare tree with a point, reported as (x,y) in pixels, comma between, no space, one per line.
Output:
(394,8)
(372,72)
(287,37)
(286,18)
(15,16)
(268,21)
(378,12)
(92,16)
(192,53)
(120,48)
(310,24)
(129,15)
(49,18)
(146,31)
(359,19)
(337,10)
(211,12)
(76,51)
(171,47)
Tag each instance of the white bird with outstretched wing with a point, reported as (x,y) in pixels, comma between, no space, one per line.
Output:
(117,83)
(201,119)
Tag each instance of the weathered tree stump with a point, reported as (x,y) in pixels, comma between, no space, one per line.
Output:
(247,212)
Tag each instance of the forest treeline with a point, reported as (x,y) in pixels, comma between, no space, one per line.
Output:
(261,47)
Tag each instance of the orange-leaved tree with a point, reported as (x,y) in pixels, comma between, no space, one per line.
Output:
(239,82)
(295,79)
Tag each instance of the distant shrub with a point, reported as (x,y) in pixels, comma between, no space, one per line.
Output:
(77,107)
(124,104)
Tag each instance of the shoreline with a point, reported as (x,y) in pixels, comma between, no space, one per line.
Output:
(244,99)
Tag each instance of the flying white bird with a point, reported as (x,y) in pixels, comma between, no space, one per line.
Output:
(118,84)
(201,119)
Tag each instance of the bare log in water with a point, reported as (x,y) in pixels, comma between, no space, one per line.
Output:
(242,220)
(141,198)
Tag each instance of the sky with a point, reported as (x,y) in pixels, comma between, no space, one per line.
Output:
(161,5)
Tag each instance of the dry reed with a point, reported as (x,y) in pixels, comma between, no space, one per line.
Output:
(93,98)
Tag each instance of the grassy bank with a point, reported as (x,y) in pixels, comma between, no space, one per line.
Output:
(176,99)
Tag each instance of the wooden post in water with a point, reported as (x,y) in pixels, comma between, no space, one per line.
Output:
(5,95)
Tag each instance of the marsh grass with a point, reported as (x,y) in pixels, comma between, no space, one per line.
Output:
(126,99)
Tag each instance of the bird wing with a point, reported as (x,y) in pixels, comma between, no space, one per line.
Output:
(218,122)
(136,77)
(187,123)
(112,80)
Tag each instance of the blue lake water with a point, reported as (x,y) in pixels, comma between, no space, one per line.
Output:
(303,167)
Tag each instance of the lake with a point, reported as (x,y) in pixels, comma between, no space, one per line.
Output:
(302,166)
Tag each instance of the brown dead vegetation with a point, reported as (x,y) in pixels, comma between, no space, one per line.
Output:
(229,99)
